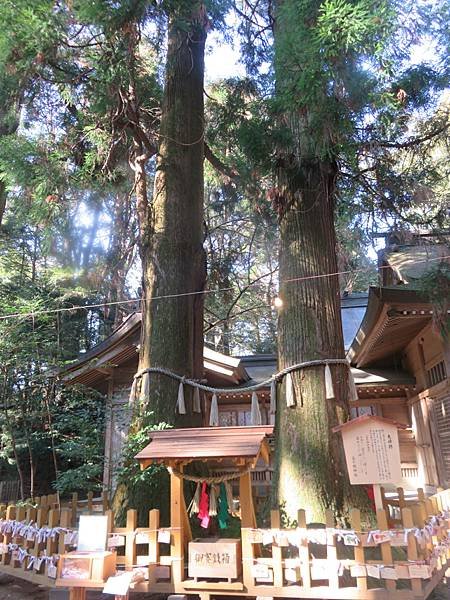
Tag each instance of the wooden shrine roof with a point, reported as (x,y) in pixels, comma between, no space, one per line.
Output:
(206,443)
(394,316)
(368,419)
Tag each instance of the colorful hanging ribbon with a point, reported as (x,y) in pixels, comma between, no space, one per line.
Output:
(203,513)
(222,515)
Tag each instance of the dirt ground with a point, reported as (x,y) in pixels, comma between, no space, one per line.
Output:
(17,589)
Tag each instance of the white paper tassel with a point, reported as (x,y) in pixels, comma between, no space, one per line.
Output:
(329,390)
(133,392)
(212,501)
(352,391)
(145,387)
(194,507)
(196,406)
(290,396)
(181,406)
(255,413)
(273,397)
(214,414)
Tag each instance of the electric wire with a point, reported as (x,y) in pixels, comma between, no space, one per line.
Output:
(32,314)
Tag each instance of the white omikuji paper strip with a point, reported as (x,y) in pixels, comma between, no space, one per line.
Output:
(119,584)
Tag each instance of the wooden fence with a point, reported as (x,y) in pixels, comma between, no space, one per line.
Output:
(404,560)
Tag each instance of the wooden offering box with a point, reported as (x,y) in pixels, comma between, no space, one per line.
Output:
(85,569)
(215,558)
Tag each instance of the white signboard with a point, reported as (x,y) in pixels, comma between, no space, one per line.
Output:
(92,533)
(372,452)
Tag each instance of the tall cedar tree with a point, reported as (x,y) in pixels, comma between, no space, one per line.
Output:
(329,73)
(171,239)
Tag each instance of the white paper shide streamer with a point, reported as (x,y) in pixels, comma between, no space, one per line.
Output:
(181,406)
(145,387)
(133,391)
(194,507)
(255,413)
(352,391)
(196,406)
(214,414)
(290,395)
(329,389)
(273,396)
(212,501)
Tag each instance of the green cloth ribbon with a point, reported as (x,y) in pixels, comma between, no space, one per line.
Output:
(222,514)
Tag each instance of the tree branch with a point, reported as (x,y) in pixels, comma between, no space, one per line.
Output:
(219,165)
(412,141)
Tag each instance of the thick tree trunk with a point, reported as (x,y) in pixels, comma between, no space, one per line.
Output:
(173,256)
(310,464)
(171,247)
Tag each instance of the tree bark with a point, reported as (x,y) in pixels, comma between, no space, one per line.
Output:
(171,246)
(310,470)
(172,242)
(310,464)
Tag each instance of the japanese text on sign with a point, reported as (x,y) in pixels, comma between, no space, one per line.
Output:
(372,453)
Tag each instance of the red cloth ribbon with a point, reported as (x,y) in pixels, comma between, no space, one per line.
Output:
(203,513)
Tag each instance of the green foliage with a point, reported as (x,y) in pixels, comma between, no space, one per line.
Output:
(78,430)
(435,286)
(129,471)
(139,485)
(46,435)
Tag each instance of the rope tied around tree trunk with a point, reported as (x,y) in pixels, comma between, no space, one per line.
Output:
(144,376)
(251,388)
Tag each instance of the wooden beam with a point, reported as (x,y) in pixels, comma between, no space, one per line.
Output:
(177,521)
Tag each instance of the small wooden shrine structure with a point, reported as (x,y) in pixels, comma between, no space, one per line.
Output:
(235,449)
(320,561)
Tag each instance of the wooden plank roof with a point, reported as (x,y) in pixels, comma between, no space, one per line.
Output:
(212,443)
(394,316)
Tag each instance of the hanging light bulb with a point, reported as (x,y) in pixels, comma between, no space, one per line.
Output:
(277,302)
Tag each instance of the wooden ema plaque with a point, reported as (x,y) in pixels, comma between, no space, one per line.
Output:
(215,558)
(371,450)
(85,569)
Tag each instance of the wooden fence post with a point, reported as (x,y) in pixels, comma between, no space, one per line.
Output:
(153,545)
(333,577)
(105,502)
(20,516)
(408,523)
(386,551)
(130,539)
(10,516)
(52,544)
(277,552)
(245,495)
(355,521)
(303,551)
(74,509)
(65,522)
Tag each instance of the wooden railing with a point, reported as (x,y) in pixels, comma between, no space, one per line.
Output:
(301,562)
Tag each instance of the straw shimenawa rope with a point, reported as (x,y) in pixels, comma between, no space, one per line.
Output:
(251,388)
(209,480)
